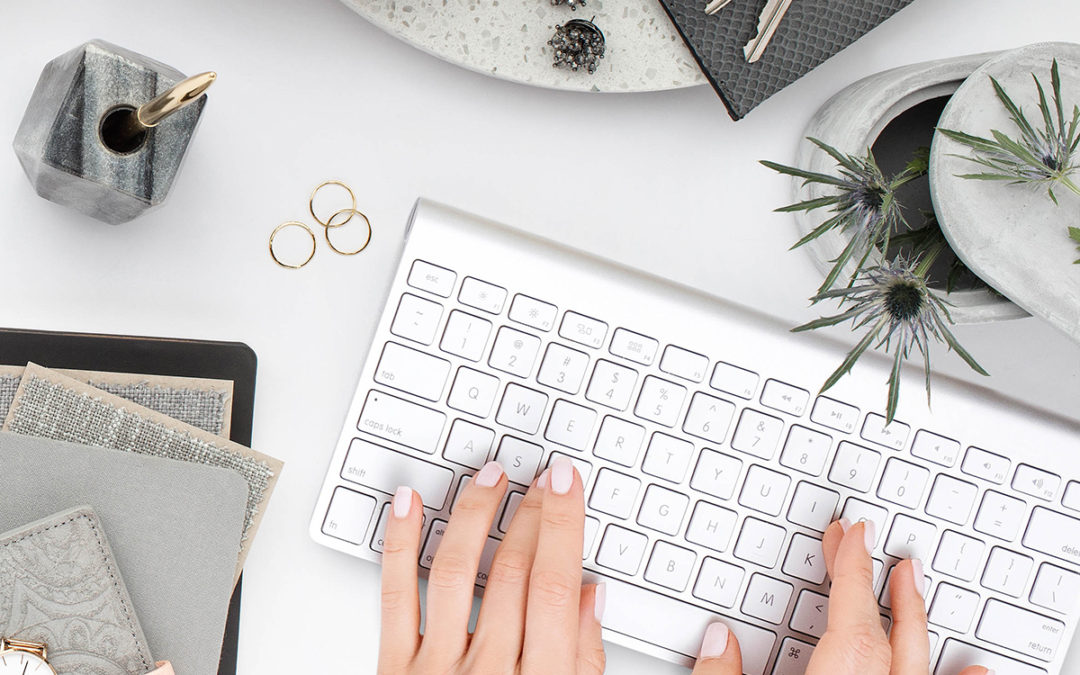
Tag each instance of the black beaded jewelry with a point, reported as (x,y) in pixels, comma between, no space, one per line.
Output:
(578,45)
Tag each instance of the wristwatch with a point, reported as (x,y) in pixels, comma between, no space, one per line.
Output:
(24,658)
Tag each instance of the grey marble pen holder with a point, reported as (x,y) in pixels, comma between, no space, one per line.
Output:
(66,143)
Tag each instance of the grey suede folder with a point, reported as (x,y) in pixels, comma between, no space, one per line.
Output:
(174,528)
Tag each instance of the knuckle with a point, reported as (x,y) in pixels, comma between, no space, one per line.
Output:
(555,589)
(451,571)
(870,649)
(395,599)
(511,567)
(396,547)
(472,504)
(560,520)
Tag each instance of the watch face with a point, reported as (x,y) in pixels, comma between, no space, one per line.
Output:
(23,663)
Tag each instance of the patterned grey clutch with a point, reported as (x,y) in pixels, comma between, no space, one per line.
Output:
(60,586)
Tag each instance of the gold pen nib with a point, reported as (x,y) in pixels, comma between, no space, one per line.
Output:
(150,114)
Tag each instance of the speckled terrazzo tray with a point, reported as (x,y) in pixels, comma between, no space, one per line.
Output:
(508,39)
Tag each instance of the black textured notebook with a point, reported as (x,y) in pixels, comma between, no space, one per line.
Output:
(810,32)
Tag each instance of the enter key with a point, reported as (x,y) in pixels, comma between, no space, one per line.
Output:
(1021,631)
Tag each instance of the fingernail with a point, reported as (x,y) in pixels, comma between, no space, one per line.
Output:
(715,642)
(489,475)
(991,671)
(869,535)
(542,481)
(402,502)
(562,475)
(599,597)
(845,525)
(920,580)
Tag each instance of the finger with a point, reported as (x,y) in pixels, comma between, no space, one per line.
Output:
(500,627)
(555,581)
(452,578)
(976,670)
(830,543)
(720,653)
(400,596)
(909,637)
(590,646)
(852,604)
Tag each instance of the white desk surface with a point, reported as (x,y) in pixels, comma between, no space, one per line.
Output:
(675,189)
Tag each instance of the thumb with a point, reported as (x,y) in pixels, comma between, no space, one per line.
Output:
(720,653)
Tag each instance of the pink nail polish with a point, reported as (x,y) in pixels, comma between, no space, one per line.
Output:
(920,580)
(402,502)
(715,642)
(845,525)
(598,602)
(869,535)
(991,671)
(542,481)
(562,475)
(489,475)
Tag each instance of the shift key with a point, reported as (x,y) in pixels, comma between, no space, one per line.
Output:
(385,470)
(400,421)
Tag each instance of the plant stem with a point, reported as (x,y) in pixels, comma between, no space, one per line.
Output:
(928,259)
(1067,182)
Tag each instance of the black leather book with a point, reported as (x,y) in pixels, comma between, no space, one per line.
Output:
(810,32)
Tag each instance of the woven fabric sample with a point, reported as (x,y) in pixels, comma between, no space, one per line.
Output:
(9,384)
(810,32)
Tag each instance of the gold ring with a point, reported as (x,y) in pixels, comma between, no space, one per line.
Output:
(279,228)
(352,212)
(311,203)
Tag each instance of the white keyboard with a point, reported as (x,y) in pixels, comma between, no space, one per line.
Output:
(711,468)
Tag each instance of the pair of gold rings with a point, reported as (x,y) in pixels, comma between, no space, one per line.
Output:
(338,219)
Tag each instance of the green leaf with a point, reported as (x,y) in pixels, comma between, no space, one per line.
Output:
(838,265)
(1055,84)
(1014,111)
(809,204)
(821,229)
(810,176)
(951,340)
(826,321)
(853,355)
(843,160)
(894,387)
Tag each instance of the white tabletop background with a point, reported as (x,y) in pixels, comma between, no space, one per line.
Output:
(309,91)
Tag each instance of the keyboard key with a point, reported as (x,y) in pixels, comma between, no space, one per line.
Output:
(1071,498)
(734,380)
(951,499)
(1000,515)
(959,556)
(416,319)
(684,363)
(910,538)
(386,470)
(670,566)
(465,335)
(892,436)
(716,474)
(432,278)
(563,368)
(813,506)
(468,444)
(767,598)
(1055,588)
(811,615)
(583,467)
(378,541)
(718,582)
(1036,482)
(805,560)
(519,459)
(806,450)
(570,425)
(521,408)
(764,490)
(512,504)
(711,526)
(903,483)
(662,510)
(611,385)
(660,401)
(411,371)
(634,346)
(1053,534)
(401,421)
(760,542)
(854,466)
(1024,632)
(583,330)
(784,397)
(614,493)
(954,608)
(708,417)
(532,312)
(633,611)
(473,392)
(668,457)
(1006,572)
(514,352)
(622,550)
(482,295)
(835,415)
(858,511)
(986,465)
(757,434)
(956,656)
(619,441)
(349,516)
(793,658)
(934,448)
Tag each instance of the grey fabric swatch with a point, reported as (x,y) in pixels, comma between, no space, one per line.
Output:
(59,586)
(174,529)
(9,384)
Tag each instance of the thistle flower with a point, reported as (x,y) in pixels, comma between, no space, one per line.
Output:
(902,315)
(1040,156)
(864,204)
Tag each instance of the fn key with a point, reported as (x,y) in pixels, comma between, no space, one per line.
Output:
(348,516)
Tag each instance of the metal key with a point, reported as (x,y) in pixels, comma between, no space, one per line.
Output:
(767,22)
(715,6)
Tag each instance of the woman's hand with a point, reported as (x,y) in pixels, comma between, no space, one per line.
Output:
(536,617)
